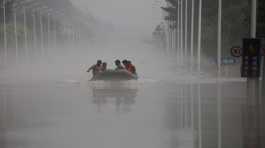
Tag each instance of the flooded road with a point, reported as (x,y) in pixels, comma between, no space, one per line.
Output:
(47,100)
(187,113)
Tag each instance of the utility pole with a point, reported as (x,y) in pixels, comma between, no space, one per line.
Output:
(48,30)
(254,101)
(179,31)
(25,32)
(219,37)
(15,31)
(253,18)
(192,35)
(253,91)
(180,12)
(34,30)
(253,28)
(5,32)
(199,37)
(55,33)
(219,85)
(186,29)
(41,35)
(172,31)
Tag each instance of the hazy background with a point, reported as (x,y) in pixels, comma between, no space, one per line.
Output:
(142,15)
(123,30)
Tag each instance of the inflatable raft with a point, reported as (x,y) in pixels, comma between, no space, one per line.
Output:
(115,75)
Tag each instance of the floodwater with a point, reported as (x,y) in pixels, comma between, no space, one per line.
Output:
(54,105)
(186,113)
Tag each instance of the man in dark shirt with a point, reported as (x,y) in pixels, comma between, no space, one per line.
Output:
(118,65)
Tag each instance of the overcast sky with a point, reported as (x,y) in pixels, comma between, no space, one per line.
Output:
(137,14)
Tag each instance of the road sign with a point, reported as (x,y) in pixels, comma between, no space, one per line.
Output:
(228,60)
(236,52)
(251,59)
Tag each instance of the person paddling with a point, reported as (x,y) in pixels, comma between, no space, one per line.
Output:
(96,68)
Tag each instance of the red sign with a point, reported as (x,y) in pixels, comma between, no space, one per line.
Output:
(236,52)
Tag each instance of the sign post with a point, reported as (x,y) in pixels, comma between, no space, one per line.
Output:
(251,70)
(251,49)
(236,51)
(263,70)
(251,59)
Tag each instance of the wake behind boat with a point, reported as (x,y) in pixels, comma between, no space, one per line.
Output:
(114,75)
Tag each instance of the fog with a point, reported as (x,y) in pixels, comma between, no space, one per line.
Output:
(141,15)
(124,32)
(48,101)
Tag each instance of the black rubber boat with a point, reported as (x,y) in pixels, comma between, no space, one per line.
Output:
(115,75)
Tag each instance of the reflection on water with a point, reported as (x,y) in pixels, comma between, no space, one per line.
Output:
(215,116)
(182,115)
(254,122)
(120,94)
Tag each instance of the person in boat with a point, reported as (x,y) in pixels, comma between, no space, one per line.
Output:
(125,63)
(104,66)
(131,67)
(118,65)
(96,68)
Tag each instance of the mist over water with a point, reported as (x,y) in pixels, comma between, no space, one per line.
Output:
(124,32)
(72,61)
(50,103)
(47,100)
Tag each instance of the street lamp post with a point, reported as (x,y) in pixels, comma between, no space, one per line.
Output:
(57,15)
(177,31)
(48,13)
(174,33)
(25,5)
(199,37)
(41,12)
(170,34)
(253,18)
(34,29)
(186,29)
(41,33)
(192,35)
(253,83)
(5,31)
(15,31)
(55,33)
(56,27)
(219,36)
(25,32)
(170,38)
(48,29)
(181,31)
